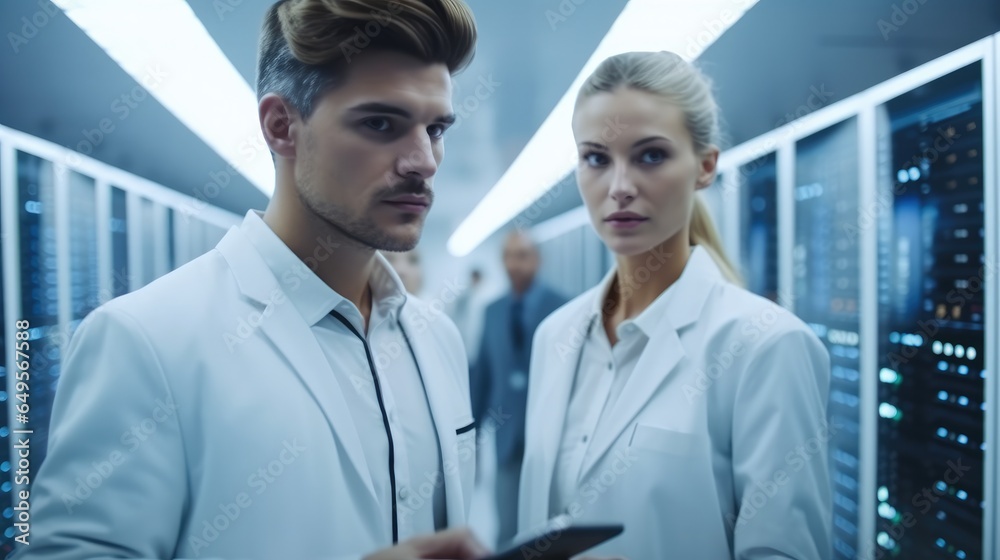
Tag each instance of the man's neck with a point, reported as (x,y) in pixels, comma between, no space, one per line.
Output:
(519,291)
(340,262)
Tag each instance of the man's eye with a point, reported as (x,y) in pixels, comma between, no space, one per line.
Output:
(378,124)
(436,130)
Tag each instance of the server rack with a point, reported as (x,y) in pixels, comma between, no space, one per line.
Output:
(69,244)
(870,108)
(6,486)
(932,320)
(759,213)
(39,274)
(118,227)
(826,286)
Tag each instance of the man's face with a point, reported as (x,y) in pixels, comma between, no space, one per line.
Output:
(366,157)
(520,258)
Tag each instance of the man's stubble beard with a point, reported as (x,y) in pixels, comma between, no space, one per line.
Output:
(360,231)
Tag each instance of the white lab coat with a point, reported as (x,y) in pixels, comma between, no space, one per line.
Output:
(716,447)
(171,440)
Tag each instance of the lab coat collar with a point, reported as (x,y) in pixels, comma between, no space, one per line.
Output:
(312,297)
(305,291)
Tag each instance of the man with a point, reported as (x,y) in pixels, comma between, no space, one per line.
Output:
(500,374)
(281,396)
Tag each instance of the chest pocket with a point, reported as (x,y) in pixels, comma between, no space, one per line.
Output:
(466,446)
(466,436)
(662,440)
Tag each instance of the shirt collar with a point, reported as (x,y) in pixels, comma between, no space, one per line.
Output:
(307,292)
(388,292)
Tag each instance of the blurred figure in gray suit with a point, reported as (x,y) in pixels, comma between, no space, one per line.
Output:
(499,379)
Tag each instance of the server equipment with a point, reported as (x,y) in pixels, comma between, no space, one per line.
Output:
(74,236)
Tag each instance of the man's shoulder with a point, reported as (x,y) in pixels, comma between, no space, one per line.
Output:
(432,315)
(553,296)
(496,303)
(197,287)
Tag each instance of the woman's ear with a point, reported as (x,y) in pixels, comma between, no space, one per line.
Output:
(708,165)
(277,122)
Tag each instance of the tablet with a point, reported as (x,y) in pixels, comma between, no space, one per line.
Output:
(560,544)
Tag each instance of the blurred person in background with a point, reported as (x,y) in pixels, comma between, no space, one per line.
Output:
(407,266)
(668,397)
(467,312)
(500,373)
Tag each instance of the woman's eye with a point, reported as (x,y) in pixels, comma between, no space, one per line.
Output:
(378,124)
(595,159)
(653,156)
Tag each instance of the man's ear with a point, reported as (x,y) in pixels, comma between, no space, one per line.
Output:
(708,167)
(278,123)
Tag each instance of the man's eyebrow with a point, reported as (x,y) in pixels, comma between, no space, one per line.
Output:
(376,107)
(385,108)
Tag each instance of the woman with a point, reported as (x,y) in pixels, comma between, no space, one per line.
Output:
(668,398)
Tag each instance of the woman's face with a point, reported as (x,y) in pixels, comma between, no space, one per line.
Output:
(638,168)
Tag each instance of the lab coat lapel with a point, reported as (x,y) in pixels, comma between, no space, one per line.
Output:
(662,356)
(442,392)
(658,360)
(293,339)
(554,389)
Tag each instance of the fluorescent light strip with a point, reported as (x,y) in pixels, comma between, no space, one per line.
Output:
(686,28)
(561,224)
(166,49)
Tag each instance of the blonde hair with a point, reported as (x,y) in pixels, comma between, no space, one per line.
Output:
(306,45)
(704,234)
(667,75)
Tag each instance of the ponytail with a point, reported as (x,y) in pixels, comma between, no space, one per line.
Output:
(704,234)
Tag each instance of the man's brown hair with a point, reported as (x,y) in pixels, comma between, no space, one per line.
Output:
(306,45)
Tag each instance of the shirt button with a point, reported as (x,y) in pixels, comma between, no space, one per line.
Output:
(392,417)
(404,493)
(585,438)
(611,365)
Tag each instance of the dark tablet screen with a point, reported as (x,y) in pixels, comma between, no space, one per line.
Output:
(560,545)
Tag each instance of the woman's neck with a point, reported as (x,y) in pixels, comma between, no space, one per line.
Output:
(641,279)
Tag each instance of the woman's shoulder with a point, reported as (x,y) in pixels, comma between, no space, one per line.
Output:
(748,315)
